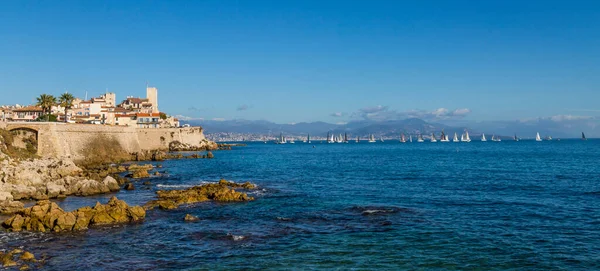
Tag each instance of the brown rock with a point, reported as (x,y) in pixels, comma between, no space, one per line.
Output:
(190,218)
(27,256)
(129,186)
(210,155)
(170,199)
(140,173)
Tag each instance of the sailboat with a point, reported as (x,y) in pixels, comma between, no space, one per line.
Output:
(420,138)
(340,139)
(444,137)
(402,138)
(433,138)
(357,139)
(281,139)
(537,137)
(410,138)
(308,138)
(516,138)
(483,138)
(330,138)
(345,138)
(455,139)
(548,138)
(583,136)
(465,137)
(381,138)
(371,138)
(291,141)
(496,139)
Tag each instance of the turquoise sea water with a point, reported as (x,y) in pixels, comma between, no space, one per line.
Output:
(382,206)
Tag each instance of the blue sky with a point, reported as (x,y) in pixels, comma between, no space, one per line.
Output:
(293,61)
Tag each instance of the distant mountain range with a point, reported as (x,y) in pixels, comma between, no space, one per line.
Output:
(393,128)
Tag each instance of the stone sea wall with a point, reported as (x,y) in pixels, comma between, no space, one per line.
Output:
(58,140)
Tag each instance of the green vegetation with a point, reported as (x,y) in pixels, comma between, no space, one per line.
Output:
(163,116)
(66,101)
(103,150)
(7,147)
(48,117)
(46,102)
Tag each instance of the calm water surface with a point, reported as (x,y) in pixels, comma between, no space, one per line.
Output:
(382,206)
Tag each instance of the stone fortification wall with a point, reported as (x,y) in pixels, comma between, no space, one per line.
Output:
(159,139)
(69,140)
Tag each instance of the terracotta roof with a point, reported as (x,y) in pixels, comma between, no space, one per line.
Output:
(148,114)
(29,109)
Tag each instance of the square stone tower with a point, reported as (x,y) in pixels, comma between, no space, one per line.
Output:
(152,96)
(110,98)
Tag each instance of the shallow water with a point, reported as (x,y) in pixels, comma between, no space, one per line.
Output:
(431,206)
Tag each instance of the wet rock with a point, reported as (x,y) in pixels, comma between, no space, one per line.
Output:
(246,185)
(140,173)
(136,167)
(222,191)
(47,216)
(129,186)
(156,173)
(24,267)
(190,218)
(27,256)
(210,155)
(147,183)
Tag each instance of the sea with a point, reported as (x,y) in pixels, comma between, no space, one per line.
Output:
(358,206)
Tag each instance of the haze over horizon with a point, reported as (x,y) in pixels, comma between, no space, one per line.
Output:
(458,62)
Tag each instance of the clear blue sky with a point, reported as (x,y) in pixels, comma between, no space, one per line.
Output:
(292,61)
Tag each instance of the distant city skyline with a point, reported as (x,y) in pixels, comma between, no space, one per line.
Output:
(305,61)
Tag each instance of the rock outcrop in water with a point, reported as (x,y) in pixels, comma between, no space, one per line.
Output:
(46,216)
(16,257)
(222,191)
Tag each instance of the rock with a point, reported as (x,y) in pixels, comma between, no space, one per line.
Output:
(27,256)
(190,218)
(24,267)
(136,167)
(53,190)
(129,186)
(210,155)
(140,173)
(156,173)
(147,183)
(6,196)
(170,199)
(92,187)
(246,185)
(11,206)
(46,216)
(111,183)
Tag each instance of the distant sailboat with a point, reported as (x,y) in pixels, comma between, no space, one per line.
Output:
(281,139)
(308,138)
(357,139)
(444,137)
(433,138)
(465,137)
(330,138)
(549,138)
(345,138)
(402,138)
(381,138)
(537,137)
(583,136)
(496,139)
(371,138)
(410,138)
(516,138)
(483,138)
(455,139)
(420,138)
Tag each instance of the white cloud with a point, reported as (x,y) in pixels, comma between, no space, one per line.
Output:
(559,118)
(218,119)
(182,117)
(337,114)
(380,113)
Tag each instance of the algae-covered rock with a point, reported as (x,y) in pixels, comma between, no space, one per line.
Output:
(47,216)
(222,191)
(190,218)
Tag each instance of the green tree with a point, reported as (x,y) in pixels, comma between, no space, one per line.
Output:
(163,116)
(46,102)
(66,101)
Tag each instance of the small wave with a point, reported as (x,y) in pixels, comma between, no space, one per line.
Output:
(174,185)
(283,218)
(375,210)
(236,237)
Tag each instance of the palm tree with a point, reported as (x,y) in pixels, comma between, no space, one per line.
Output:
(46,102)
(66,101)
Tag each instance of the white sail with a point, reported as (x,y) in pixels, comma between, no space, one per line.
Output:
(483,137)
(410,138)
(420,138)
(433,138)
(371,138)
(455,139)
(537,137)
